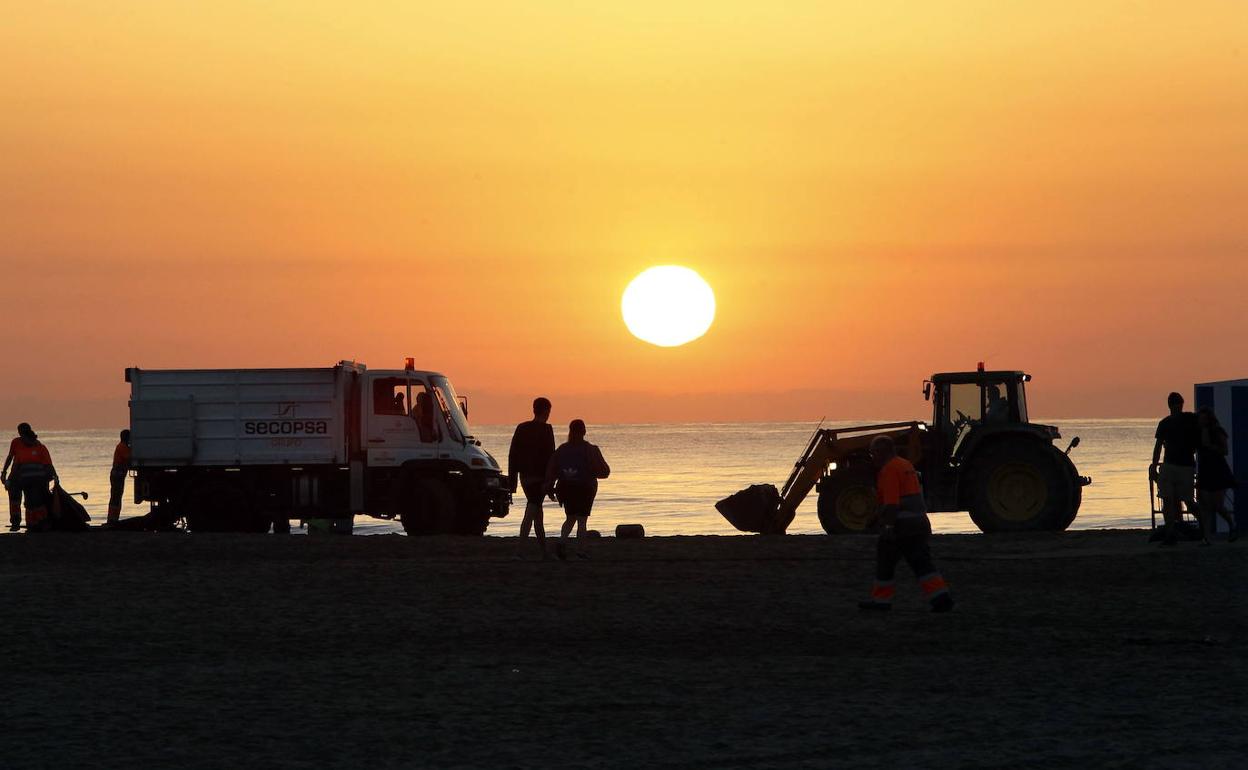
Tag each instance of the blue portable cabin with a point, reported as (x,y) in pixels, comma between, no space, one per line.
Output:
(1229,401)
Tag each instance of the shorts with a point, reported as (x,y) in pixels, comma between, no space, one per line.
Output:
(532,486)
(577,499)
(1176,482)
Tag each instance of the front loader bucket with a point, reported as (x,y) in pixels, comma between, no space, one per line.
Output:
(753,509)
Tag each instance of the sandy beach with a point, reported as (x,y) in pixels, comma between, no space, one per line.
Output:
(203,651)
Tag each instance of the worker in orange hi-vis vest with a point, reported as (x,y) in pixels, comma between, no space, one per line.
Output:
(904,531)
(32,470)
(117,477)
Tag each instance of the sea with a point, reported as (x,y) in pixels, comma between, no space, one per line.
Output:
(667,477)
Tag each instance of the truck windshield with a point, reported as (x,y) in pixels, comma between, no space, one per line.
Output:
(456,423)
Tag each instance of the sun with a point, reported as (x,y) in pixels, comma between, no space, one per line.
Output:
(668,306)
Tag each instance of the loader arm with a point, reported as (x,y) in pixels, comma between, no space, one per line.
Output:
(827,446)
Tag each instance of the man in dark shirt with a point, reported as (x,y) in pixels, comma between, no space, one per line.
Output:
(1179,434)
(531,447)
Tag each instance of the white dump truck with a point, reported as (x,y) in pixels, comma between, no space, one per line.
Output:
(247,449)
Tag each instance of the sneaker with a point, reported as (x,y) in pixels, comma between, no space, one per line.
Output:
(874,606)
(942,603)
(16,527)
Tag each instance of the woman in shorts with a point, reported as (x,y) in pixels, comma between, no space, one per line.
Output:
(572,475)
(1214,475)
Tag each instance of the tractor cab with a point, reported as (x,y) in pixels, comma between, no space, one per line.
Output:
(968,405)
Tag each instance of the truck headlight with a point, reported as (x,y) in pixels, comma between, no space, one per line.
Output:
(493,481)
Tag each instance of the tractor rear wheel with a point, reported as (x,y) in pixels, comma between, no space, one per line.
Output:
(848,505)
(425,506)
(1021,486)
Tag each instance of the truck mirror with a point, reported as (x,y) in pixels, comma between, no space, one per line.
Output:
(927,390)
(463,405)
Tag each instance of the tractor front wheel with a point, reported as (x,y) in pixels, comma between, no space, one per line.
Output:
(1021,487)
(848,505)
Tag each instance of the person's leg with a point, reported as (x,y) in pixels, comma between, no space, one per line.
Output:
(36,494)
(914,547)
(585,505)
(116,488)
(1170,518)
(883,589)
(15,506)
(1229,516)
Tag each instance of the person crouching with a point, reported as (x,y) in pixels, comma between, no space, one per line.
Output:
(904,531)
(572,477)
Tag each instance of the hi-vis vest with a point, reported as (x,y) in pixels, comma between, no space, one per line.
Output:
(31,462)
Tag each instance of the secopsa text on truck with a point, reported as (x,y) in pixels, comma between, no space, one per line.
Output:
(230,450)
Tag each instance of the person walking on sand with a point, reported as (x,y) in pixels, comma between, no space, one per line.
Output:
(32,470)
(532,445)
(1214,477)
(904,531)
(117,477)
(1179,434)
(572,475)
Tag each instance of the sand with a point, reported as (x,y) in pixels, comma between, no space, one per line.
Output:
(200,651)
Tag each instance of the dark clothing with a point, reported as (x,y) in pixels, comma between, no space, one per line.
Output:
(531,447)
(908,542)
(577,462)
(36,493)
(1180,435)
(1214,473)
(577,499)
(15,504)
(533,487)
(116,487)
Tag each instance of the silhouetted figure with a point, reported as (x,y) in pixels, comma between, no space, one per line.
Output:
(904,531)
(117,477)
(532,445)
(1214,477)
(32,471)
(424,416)
(572,474)
(997,410)
(399,406)
(1179,434)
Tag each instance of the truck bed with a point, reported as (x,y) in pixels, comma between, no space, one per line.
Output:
(239,417)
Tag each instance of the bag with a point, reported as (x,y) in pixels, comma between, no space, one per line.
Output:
(574,464)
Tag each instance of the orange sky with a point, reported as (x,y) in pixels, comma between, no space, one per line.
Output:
(875,191)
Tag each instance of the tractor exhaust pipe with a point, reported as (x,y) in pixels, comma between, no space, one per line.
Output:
(1074,442)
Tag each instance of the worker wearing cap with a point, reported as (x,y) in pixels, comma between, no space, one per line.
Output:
(32,470)
(904,531)
(117,477)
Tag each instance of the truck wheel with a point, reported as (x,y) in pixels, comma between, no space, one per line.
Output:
(471,524)
(425,506)
(847,505)
(219,506)
(1021,486)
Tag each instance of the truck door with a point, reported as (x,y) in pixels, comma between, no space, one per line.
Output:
(400,420)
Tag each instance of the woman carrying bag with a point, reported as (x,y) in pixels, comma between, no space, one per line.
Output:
(572,478)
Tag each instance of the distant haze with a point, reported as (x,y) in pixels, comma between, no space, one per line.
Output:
(876,192)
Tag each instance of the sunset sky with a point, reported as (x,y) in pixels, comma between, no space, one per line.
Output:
(875,192)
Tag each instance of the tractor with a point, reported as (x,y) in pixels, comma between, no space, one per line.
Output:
(980,454)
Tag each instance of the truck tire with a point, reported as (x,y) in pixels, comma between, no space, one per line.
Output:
(1021,486)
(425,506)
(848,505)
(221,506)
